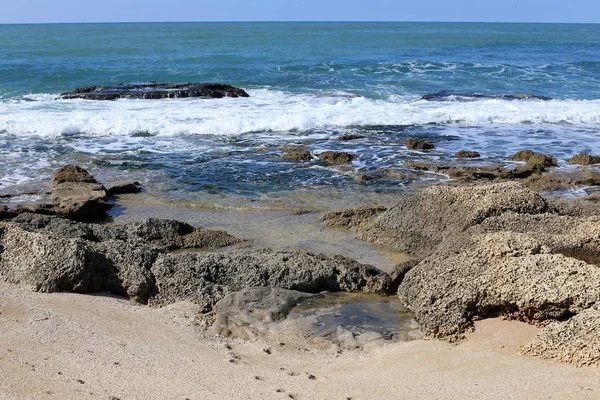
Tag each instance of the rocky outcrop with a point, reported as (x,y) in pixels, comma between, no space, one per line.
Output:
(419,223)
(336,157)
(155,91)
(576,341)
(503,273)
(171,235)
(584,159)
(49,263)
(350,136)
(251,312)
(76,194)
(206,278)
(461,95)
(418,144)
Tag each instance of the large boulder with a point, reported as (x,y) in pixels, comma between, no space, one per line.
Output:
(51,254)
(205,278)
(155,91)
(419,223)
(502,273)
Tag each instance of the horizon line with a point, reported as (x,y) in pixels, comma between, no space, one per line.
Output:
(295,21)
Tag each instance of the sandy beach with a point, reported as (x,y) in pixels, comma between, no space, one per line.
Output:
(69,346)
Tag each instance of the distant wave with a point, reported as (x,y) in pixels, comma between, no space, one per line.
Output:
(272,111)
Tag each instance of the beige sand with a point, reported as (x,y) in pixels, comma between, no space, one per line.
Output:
(68,346)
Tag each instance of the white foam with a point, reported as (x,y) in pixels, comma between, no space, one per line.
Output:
(273,111)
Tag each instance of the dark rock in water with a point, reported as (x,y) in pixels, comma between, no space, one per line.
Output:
(336,157)
(467,154)
(297,153)
(124,188)
(584,159)
(155,91)
(350,137)
(248,313)
(459,95)
(534,159)
(205,278)
(418,144)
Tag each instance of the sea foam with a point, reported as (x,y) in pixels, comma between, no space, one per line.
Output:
(272,111)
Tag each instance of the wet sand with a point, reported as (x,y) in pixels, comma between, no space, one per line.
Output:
(69,346)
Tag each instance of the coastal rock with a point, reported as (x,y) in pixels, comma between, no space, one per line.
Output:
(171,235)
(48,263)
(461,95)
(350,137)
(250,313)
(467,154)
(297,153)
(532,158)
(77,195)
(418,144)
(205,278)
(504,273)
(584,159)
(576,341)
(336,157)
(155,91)
(417,224)
(351,218)
(464,173)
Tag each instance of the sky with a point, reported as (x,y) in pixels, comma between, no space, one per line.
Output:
(41,11)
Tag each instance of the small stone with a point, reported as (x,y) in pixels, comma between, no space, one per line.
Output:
(336,157)
(418,144)
(467,154)
(584,159)
(297,153)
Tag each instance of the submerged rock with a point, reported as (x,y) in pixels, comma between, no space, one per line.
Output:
(155,91)
(251,312)
(461,95)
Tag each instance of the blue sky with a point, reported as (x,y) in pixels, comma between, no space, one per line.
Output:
(16,11)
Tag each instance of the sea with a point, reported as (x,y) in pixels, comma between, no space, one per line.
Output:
(309,83)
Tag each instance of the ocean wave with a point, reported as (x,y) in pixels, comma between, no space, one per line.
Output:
(272,111)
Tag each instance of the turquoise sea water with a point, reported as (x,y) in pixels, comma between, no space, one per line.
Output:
(308,82)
